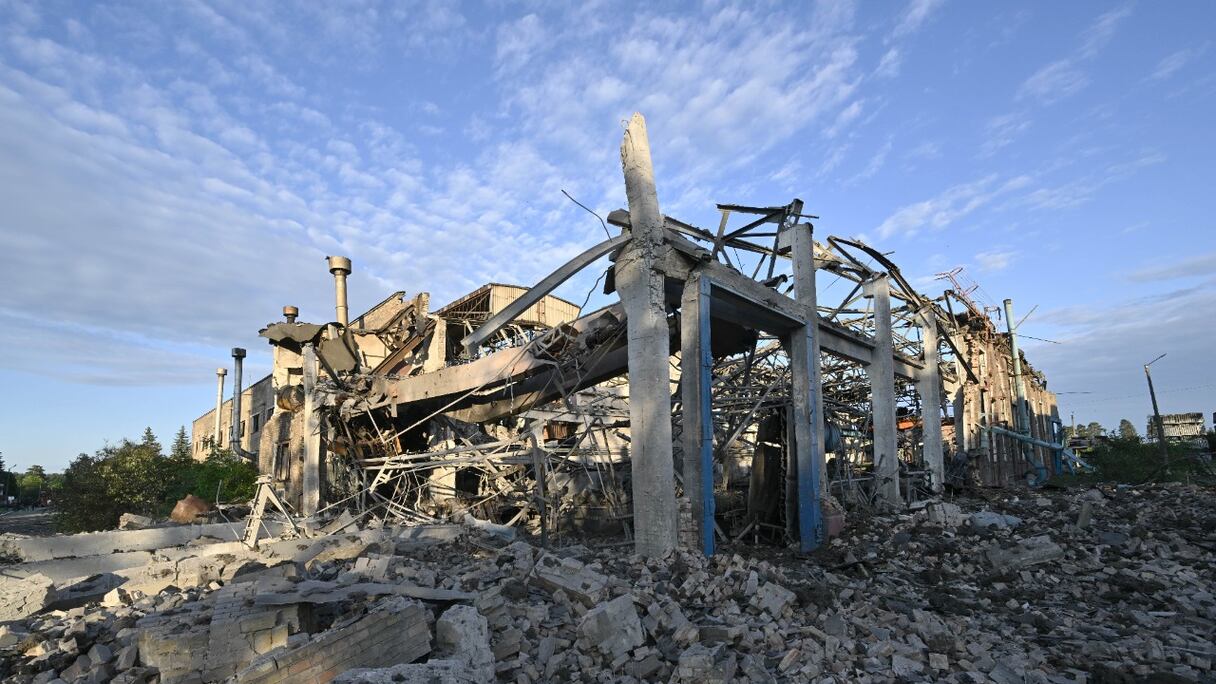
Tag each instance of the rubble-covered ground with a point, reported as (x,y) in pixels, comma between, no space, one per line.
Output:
(1099,585)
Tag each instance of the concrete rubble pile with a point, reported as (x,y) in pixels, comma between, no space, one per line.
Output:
(1111,585)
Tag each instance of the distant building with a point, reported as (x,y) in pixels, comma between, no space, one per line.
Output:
(1178,427)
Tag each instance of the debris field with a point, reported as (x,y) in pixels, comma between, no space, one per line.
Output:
(1100,585)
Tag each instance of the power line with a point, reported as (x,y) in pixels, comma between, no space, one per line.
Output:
(1138,394)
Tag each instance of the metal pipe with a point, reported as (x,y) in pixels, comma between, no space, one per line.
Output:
(234,441)
(219,402)
(340,267)
(290,313)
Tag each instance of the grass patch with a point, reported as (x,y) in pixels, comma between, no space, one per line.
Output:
(1126,461)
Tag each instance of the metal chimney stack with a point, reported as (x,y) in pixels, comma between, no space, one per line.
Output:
(238,358)
(219,401)
(340,267)
(290,313)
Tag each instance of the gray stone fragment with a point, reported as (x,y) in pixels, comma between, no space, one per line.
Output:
(774,598)
(613,627)
(1031,551)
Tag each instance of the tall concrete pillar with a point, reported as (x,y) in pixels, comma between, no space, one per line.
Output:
(696,376)
(639,279)
(928,386)
(219,404)
(807,392)
(310,481)
(881,372)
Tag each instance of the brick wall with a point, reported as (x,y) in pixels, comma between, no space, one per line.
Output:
(396,632)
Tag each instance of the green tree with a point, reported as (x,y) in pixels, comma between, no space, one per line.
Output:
(32,484)
(129,478)
(1127,431)
(1094,429)
(181,446)
(149,440)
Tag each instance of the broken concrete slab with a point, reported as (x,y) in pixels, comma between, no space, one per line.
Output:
(278,592)
(773,598)
(62,569)
(103,543)
(24,596)
(613,627)
(571,576)
(944,514)
(1040,549)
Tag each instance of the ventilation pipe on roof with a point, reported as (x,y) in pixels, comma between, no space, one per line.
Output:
(290,313)
(340,267)
(219,402)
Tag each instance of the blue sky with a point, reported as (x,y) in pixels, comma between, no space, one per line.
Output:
(171,174)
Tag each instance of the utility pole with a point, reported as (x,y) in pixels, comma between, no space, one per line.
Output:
(1165,452)
(1021,415)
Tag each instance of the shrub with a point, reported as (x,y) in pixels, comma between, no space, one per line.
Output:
(135,478)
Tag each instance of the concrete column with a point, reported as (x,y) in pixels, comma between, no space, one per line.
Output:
(696,374)
(928,386)
(219,403)
(437,349)
(310,482)
(807,392)
(639,279)
(881,372)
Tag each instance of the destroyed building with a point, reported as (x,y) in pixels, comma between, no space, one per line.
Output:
(487,403)
(1177,427)
(455,495)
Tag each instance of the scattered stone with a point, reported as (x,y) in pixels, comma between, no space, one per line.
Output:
(131,521)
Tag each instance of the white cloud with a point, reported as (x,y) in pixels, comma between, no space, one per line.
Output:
(1064,77)
(875,164)
(1001,131)
(1103,349)
(948,207)
(846,117)
(1103,30)
(518,41)
(888,66)
(993,260)
(1200,265)
(1054,82)
(915,16)
(1175,61)
(1079,191)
